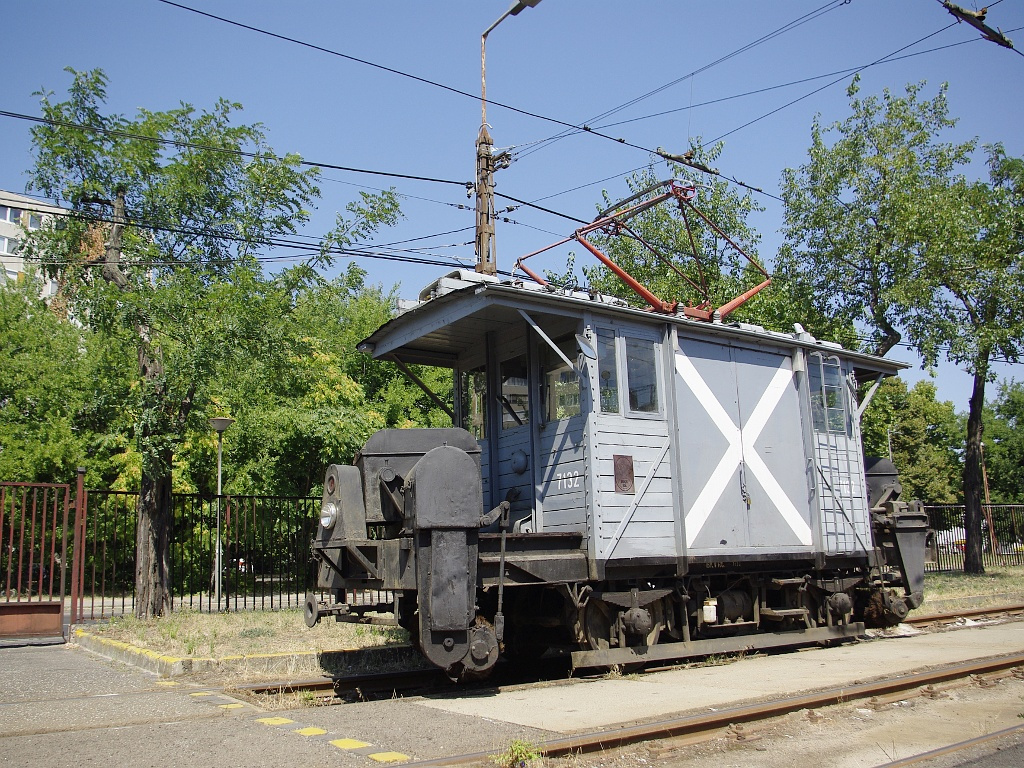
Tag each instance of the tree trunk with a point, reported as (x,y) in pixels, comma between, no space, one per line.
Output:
(152,544)
(974,540)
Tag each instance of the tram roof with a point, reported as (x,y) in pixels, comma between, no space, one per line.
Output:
(456,312)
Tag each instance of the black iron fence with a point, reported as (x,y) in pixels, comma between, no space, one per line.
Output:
(1002,536)
(264,543)
(265,548)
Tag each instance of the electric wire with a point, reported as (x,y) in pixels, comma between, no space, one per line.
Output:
(116,132)
(301,248)
(766,89)
(401,255)
(392,70)
(810,16)
(828,85)
(426,81)
(845,72)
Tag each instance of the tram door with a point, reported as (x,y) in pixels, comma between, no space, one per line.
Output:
(561,450)
(513,471)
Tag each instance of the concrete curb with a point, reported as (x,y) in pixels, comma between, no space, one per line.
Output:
(330,662)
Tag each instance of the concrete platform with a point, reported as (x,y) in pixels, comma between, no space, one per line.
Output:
(590,704)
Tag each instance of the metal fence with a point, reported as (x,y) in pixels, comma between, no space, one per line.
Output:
(265,545)
(1002,531)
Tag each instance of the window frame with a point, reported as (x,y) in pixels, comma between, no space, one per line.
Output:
(821,420)
(620,336)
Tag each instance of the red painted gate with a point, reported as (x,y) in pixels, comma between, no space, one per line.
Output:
(37,533)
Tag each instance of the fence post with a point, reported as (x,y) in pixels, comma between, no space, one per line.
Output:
(78,558)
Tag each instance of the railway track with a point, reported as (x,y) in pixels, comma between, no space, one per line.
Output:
(408,682)
(690,729)
(952,617)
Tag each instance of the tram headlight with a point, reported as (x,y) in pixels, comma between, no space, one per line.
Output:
(328,515)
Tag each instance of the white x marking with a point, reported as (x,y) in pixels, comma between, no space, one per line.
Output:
(740,448)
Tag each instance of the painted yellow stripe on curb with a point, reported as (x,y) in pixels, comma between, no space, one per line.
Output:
(349,744)
(201,693)
(274,720)
(231,706)
(389,757)
(311,731)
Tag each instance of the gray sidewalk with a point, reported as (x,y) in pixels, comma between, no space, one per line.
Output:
(61,706)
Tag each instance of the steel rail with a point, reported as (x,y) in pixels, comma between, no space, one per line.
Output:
(368,682)
(952,749)
(969,613)
(380,681)
(689,725)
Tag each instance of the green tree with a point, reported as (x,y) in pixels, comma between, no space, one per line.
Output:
(42,388)
(887,234)
(924,436)
(172,210)
(1004,444)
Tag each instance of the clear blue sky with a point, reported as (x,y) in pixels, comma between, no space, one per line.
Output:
(570,60)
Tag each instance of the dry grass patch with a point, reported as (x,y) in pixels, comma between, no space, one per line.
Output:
(243,633)
(194,634)
(949,591)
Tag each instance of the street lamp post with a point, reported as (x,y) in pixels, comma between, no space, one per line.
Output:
(486,259)
(219,424)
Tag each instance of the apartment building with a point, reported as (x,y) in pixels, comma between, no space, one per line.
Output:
(18,216)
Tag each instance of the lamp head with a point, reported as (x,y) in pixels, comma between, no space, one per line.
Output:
(520,5)
(220,423)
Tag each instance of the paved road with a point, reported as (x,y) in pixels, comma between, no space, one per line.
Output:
(60,706)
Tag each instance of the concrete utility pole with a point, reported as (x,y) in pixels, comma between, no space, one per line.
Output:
(486,163)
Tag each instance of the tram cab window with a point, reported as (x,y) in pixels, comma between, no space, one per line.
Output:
(561,384)
(474,402)
(514,398)
(829,403)
(607,371)
(638,358)
(642,375)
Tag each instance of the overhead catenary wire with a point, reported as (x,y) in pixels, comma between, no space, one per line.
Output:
(225,150)
(829,84)
(845,72)
(810,16)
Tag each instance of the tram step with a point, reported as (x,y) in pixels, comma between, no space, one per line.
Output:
(778,614)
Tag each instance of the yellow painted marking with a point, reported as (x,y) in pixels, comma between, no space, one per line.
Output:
(231,706)
(201,693)
(310,731)
(166,682)
(349,744)
(389,757)
(274,720)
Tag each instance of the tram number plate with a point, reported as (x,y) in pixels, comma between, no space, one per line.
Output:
(567,480)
